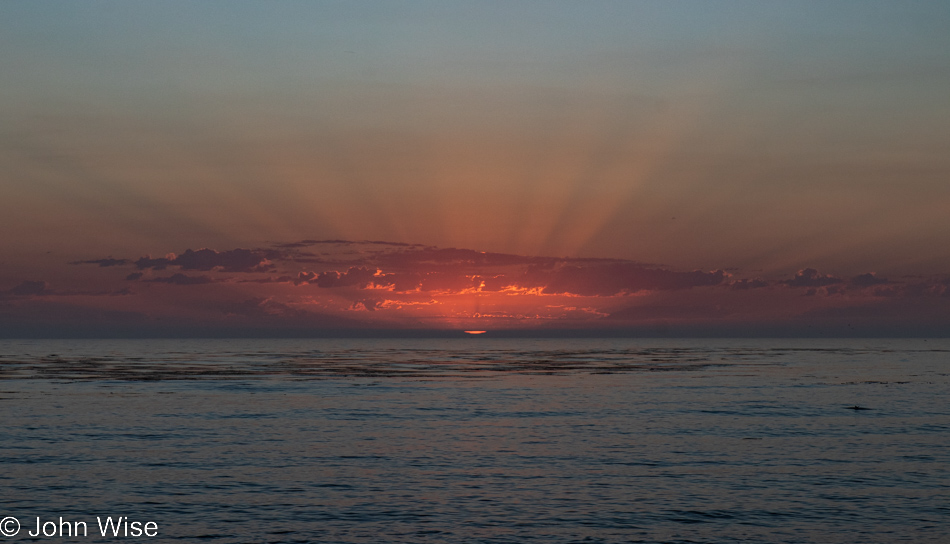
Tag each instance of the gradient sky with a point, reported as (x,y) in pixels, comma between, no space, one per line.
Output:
(623,164)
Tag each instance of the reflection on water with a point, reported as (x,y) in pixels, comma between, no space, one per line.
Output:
(482,440)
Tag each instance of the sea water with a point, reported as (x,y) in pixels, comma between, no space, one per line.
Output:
(477,440)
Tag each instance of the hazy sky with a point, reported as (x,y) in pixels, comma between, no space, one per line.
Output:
(760,139)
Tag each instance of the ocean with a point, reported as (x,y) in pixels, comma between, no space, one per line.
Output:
(476,440)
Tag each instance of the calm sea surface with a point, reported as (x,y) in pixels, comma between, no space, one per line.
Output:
(479,440)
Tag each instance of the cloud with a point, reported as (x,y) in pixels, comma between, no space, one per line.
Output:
(148,262)
(311,243)
(286,286)
(183,279)
(590,280)
(401,282)
(103,263)
(304,278)
(31,288)
(234,260)
(616,278)
(835,290)
(359,285)
(867,280)
(369,305)
(355,276)
(467,257)
(447,282)
(271,279)
(809,277)
(915,289)
(415,268)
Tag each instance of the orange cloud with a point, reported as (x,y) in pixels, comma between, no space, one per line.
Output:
(377,284)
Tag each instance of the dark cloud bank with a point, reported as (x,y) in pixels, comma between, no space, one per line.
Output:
(864,305)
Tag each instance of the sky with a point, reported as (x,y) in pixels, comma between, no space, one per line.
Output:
(667,167)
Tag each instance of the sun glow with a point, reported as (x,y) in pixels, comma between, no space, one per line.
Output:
(475,332)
